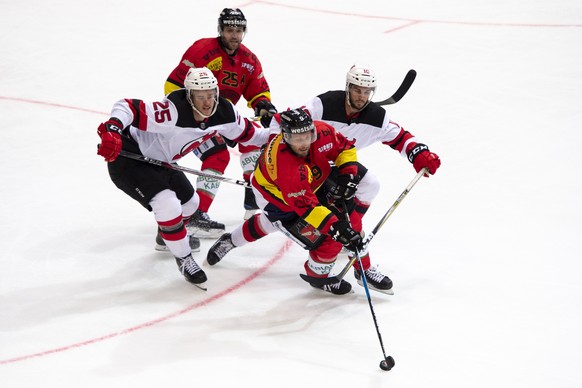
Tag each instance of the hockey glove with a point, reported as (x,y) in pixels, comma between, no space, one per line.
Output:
(265,109)
(345,187)
(109,132)
(421,157)
(342,232)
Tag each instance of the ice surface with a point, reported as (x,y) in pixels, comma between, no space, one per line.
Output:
(485,256)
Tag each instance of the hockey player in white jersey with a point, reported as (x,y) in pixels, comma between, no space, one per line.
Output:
(354,115)
(167,130)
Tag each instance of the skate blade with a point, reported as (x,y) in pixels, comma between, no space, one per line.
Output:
(201,286)
(201,233)
(164,248)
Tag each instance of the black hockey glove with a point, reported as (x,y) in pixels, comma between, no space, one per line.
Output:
(265,109)
(230,143)
(342,232)
(345,187)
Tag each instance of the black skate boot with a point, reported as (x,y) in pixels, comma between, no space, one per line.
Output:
(376,281)
(201,226)
(219,249)
(162,247)
(340,288)
(191,271)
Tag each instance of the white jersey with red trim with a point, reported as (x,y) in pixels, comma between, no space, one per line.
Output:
(367,127)
(166,130)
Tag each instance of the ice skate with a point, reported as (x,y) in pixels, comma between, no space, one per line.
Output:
(375,279)
(201,226)
(219,249)
(191,271)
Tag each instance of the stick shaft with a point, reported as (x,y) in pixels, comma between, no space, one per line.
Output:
(344,271)
(172,166)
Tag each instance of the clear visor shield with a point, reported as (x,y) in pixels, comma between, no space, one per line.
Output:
(303,139)
(204,96)
(359,94)
(204,102)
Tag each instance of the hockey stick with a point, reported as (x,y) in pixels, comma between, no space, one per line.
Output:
(317,282)
(173,166)
(397,96)
(388,362)
(402,89)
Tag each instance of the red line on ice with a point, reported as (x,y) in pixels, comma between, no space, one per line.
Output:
(284,248)
(413,21)
(145,325)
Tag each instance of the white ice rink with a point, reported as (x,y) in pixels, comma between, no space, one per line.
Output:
(485,256)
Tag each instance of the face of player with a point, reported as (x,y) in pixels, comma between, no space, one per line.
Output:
(359,96)
(204,101)
(300,143)
(232,38)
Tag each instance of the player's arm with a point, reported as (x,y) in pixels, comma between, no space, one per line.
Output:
(417,153)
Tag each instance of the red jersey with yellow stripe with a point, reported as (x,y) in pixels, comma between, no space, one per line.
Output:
(289,182)
(240,74)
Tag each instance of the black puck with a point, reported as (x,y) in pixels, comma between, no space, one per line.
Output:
(387,364)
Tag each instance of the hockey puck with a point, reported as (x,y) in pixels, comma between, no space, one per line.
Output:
(387,364)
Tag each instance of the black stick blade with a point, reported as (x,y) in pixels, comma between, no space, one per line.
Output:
(387,364)
(319,282)
(402,89)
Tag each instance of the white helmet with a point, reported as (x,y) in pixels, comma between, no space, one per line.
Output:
(361,76)
(200,79)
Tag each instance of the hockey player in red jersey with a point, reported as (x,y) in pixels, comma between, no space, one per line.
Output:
(288,182)
(240,74)
(167,130)
(352,113)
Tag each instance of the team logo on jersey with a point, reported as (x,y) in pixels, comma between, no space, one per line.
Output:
(191,145)
(215,64)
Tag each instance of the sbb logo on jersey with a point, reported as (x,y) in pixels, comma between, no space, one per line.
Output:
(325,147)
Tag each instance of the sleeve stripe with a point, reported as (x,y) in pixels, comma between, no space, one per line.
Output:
(139,114)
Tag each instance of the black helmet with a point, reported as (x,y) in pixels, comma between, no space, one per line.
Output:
(232,17)
(296,121)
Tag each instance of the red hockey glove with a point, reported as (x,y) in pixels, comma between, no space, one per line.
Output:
(345,187)
(109,132)
(266,110)
(421,157)
(342,232)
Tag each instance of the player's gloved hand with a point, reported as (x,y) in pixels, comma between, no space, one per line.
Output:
(342,232)
(421,157)
(109,132)
(265,109)
(345,187)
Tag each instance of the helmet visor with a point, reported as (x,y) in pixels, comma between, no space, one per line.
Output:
(300,139)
